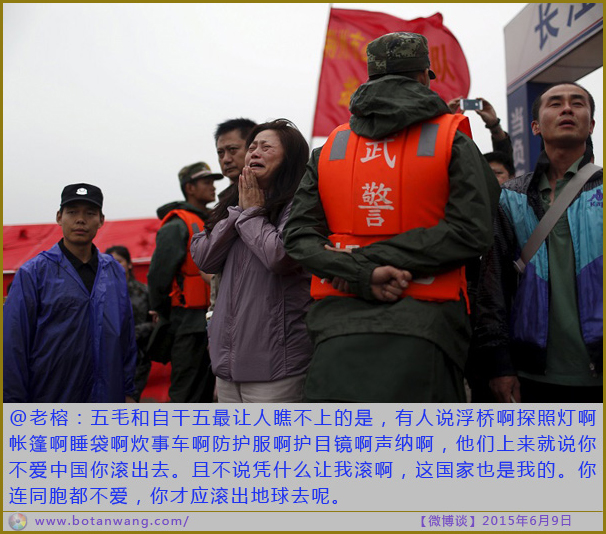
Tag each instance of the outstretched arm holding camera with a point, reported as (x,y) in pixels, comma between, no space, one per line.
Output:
(501,142)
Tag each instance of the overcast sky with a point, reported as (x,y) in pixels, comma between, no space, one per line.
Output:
(124,95)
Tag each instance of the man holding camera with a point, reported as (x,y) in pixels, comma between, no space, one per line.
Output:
(501,142)
(387,214)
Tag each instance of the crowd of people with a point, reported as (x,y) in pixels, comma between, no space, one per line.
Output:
(393,264)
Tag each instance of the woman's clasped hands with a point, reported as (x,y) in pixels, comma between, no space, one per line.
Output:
(250,193)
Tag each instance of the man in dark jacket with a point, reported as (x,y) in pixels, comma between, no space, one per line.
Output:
(230,141)
(374,343)
(69,334)
(177,291)
(540,334)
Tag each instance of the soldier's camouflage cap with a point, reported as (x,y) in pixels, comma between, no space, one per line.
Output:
(398,52)
(196,170)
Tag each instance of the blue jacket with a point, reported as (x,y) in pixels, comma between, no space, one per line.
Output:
(62,344)
(513,314)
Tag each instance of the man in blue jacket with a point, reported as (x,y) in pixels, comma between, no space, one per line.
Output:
(68,325)
(540,334)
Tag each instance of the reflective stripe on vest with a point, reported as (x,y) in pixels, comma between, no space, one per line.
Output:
(372,190)
(195,292)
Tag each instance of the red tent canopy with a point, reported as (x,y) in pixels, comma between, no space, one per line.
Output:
(22,242)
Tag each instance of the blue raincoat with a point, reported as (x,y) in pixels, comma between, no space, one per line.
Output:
(62,344)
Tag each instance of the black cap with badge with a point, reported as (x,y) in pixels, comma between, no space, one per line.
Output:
(82,192)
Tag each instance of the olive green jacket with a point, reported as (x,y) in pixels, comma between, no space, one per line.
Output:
(171,251)
(380,108)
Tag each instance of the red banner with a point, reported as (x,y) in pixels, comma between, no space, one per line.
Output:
(344,64)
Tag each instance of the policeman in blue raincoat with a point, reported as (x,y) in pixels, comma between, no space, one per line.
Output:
(68,325)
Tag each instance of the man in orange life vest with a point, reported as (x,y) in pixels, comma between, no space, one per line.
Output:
(178,293)
(404,190)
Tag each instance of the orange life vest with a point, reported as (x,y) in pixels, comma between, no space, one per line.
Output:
(372,190)
(195,292)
